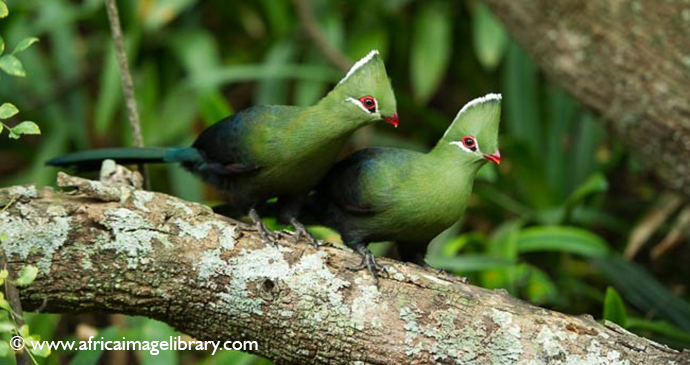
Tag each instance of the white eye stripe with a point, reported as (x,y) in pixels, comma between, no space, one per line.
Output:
(462,146)
(359,104)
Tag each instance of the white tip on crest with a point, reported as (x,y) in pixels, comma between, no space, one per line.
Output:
(359,64)
(472,103)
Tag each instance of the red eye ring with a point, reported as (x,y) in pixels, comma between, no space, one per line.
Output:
(469,143)
(369,103)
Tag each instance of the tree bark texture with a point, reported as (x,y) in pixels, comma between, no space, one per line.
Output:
(112,248)
(629,60)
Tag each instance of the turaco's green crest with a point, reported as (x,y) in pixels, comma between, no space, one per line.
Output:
(475,130)
(366,89)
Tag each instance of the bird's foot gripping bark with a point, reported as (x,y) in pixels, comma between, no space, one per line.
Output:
(368,262)
(267,236)
(301,231)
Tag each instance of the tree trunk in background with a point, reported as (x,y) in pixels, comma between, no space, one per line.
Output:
(115,249)
(629,60)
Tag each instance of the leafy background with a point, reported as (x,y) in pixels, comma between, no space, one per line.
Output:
(550,225)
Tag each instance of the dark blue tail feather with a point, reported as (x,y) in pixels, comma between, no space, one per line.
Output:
(91,159)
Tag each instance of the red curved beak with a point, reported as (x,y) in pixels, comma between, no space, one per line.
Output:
(494,157)
(393,119)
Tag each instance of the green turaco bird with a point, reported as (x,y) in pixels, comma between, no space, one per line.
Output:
(390,194)
(272,151)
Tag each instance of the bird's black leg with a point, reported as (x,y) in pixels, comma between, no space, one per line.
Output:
(368,262)
(290,209)
(301,231)
(266,235)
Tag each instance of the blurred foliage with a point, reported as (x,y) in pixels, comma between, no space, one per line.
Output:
(548,225)
(11,318)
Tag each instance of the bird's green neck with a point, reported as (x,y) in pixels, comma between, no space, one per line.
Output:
(452,173)
(320,131)
(461,163)
(323,124)
(339,113)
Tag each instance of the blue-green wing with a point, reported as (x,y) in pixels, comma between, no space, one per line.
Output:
(228,146)
(365,182)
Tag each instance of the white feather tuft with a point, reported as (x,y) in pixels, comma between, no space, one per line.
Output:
(471,104)
(359,64)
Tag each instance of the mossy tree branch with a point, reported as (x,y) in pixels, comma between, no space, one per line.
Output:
(627,59)
(112,248)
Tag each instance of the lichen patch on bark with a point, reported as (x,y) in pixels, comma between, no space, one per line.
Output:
(133,235)
(33,232)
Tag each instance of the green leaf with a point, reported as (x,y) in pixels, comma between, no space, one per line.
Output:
(24,331)
(184,185)
(470,262)
(645,292)
(237,73)
(363,40)
(12,66)
(503,244)
(562,239)
(110,93)
(213,106)
(27,275)
(453,246)
(431,45)
(583,156)
(176,113)
(4,304)
(614,308)
(275,91)
(153,330)
(560,112)
(24,44)
(489,37)
(660,327)
(4,349)
(42,352)
(25,127)
(4,12)
(596,183)
(521,99)
(2,45)
(308,92)
(7,326)
(3,237)
(8,110)
(536,285)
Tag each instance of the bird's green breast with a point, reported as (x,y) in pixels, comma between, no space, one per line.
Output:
(431,195)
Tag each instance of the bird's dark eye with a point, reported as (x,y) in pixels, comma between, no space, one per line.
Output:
(369,103)
(469,143)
